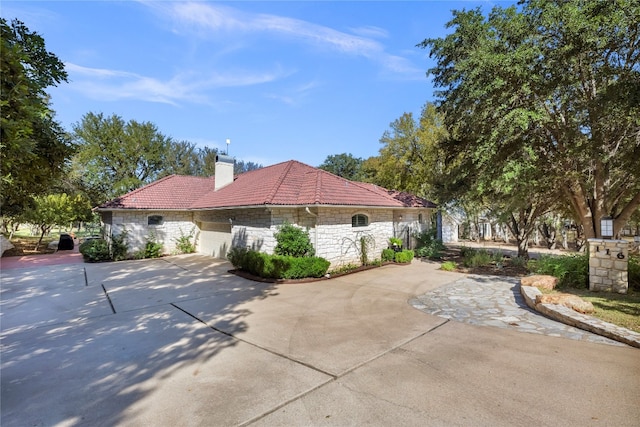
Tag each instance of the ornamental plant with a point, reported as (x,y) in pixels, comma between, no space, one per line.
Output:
(293,241)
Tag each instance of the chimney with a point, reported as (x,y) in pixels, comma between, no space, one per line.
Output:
(224,171)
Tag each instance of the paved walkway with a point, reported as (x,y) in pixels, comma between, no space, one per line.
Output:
(495,301)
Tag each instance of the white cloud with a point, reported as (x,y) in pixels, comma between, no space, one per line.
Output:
(112,85)
(207,19)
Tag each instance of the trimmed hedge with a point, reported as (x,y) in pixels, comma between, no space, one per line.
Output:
(95,250)
(277,266)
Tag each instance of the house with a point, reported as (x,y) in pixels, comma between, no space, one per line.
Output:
(225,211)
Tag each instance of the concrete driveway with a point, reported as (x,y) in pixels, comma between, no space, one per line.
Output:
(179,341)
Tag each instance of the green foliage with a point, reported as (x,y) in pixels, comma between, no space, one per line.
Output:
(152,249)
(477,258)
(409,154)
(404,257)
(237,256)
(344,165)
(634,272)
(428,246)
(33,147)
(184,244)
(293,241)
(119,246)
(571,270)
(299,268)
(366,241)
(518,262)
(448,266)
(95,250)
(543,71)
(277,266)
(388,255)
(466,251)
(56,210)
(395,241)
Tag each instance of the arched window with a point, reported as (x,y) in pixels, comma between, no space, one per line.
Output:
(359,220)
(154,220)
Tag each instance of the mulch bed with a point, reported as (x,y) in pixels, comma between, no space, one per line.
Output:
(453,254)
(26,246)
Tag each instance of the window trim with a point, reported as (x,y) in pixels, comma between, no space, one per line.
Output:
(155,220)
(355,220)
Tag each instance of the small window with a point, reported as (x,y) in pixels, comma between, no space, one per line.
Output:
(420,220)
(154,220)
(359,220)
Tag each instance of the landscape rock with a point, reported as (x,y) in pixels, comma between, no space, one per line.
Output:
(567,300)
(5,244)
(540,281)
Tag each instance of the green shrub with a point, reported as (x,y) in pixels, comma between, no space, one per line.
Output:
(277,266)
(634,272)
(395,241)
(571,270)
(152,249)
(299,268)
(497,257)
(293,241)
(184,244)
(388,255)
(477,258)
(518,261)
(467,252)
(448,266)
(119,246)
(95,250)
(236,256)
(404,256)
(427,246)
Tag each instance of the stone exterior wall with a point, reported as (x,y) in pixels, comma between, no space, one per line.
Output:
(174,224)
(608,265)
(330,229)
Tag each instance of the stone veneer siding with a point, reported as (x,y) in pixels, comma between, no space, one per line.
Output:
(330,230)
(608,272)
(174,224)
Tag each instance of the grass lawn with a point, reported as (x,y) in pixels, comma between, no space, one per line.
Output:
(619,309)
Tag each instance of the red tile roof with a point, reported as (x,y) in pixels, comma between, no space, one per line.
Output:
(289,183)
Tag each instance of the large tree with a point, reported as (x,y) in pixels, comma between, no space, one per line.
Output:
(560,80)
(115,156)
(409,158)
(33,146)
(345,165)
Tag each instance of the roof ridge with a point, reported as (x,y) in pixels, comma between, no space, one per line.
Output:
(362,185)
(318,185)
(279,181)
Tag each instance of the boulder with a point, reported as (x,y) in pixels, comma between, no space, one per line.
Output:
(573,302)
(5,244)
(540,281)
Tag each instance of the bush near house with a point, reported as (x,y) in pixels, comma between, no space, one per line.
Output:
(95,250)
(428,246)
(388,255)
(571,270)
(277,266)
(404,256)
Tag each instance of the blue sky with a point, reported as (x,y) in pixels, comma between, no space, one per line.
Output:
(282,80)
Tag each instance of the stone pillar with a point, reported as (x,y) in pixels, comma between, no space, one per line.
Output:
(608,265)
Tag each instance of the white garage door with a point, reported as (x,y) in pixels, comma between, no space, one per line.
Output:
(215,239)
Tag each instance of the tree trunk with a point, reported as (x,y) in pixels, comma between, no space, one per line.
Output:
(523,247)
